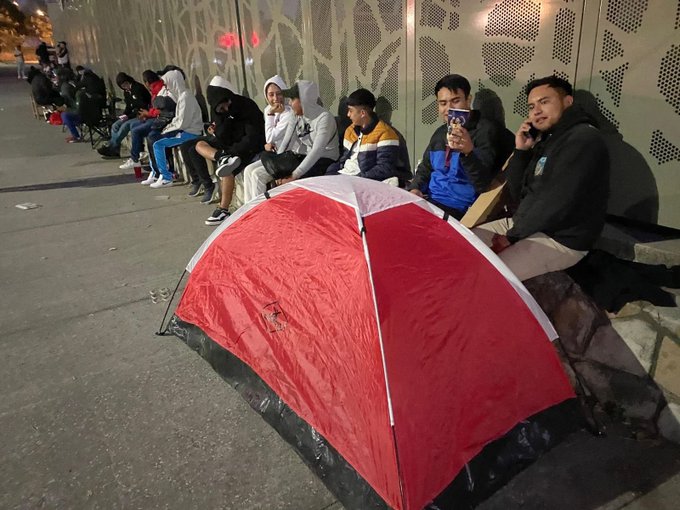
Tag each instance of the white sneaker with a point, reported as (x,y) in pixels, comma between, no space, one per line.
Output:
(127,165)
(161,183)
(149,180)
(143,156)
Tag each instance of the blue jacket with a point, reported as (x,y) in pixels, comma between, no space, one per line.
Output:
(458,182)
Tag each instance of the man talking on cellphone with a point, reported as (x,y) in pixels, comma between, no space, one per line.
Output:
(460,161)
(559,175)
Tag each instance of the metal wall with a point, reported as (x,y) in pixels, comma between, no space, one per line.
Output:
(623,55)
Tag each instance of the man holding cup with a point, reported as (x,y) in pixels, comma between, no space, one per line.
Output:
(463,155)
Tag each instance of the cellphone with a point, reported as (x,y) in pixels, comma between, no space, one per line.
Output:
(533,132)
(457,117)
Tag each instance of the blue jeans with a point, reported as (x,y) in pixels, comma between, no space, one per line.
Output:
(160,163)
(138,133)
(120,129)
(71,120)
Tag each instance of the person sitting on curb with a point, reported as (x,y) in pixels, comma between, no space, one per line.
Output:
(234,147)
(309,145)
(371,145)
(195,163)
(277,116)
(185,125)
(458,166)
(136,98)
(559,174)
(157,117)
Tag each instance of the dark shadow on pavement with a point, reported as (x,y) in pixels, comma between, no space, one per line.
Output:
(90,182)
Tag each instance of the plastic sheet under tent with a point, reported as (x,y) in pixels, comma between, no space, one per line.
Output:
(395,352)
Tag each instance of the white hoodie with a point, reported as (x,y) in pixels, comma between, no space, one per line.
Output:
(275,124)
(322,132)
(188,115)
(219,81)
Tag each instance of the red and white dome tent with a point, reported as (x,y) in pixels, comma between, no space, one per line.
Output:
(393,334)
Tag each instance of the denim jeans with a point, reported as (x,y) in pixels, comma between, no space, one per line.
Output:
(120,129)
(138,133)
(160,163)
(71,120)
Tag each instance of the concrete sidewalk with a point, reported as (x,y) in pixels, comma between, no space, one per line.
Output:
(97,412)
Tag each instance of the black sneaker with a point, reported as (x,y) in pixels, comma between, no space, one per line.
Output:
(109,152)
(207,195)
(195,189)
(226,165)
(217,217)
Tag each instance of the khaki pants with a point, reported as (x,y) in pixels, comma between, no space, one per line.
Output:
(535,255)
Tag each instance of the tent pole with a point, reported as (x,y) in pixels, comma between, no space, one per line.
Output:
(161,331)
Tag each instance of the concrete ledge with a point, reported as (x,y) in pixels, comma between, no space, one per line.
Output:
(639,246)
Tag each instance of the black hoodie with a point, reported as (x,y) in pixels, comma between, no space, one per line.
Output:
(41,88)
(92,84)
(562,183)
(240,131)
(137,98)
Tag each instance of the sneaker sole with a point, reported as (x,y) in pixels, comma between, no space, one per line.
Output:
(227,170)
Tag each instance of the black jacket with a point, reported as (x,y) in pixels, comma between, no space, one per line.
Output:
(481,166)
(562,183)
(240,131)
(138,97)
(92,84)
(41,88)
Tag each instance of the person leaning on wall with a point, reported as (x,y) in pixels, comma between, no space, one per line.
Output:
(559,174)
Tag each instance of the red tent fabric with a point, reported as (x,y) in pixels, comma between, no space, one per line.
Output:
(396,334)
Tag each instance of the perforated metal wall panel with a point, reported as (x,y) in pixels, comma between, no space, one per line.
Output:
(623,55)
(635,81)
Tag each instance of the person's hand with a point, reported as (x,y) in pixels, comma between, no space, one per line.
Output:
(499,243)
(277,108)
(270,147)
(279,182)
(143,114)
(417,192)
(211,129)
(523,141)
(459,140)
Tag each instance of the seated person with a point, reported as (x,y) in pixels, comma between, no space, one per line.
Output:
(236,143)
(136,98)
(277,116)
(195,163)
(559,174)
(312,138)
(69,111)
(371,145)
(89,81)
(157,117)
(42,90)
(185,125)
(457,167)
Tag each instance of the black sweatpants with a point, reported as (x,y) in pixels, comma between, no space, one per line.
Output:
(196,165)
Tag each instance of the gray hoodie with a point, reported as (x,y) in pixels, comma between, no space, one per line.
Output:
(187,113)
(316,129)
